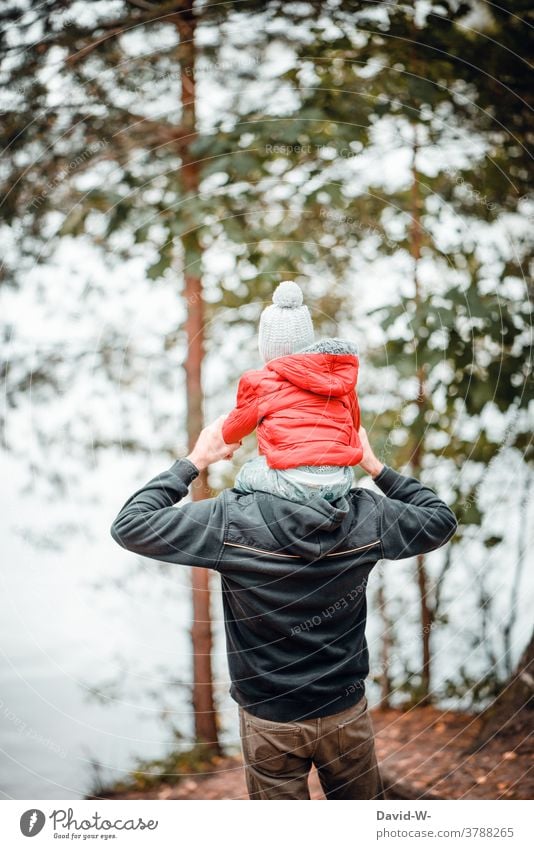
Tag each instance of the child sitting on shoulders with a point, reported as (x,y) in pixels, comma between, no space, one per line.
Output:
(303,405)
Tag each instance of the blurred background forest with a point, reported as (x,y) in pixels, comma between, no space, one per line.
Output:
(164,166)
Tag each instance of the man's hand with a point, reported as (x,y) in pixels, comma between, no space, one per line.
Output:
(369,462)
(210,446)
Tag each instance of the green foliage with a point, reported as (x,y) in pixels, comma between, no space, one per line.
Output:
(480,688)
(148,774)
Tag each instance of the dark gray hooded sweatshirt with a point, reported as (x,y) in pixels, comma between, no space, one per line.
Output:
(293,577)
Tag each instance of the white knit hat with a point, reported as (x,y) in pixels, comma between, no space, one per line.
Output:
(286,326)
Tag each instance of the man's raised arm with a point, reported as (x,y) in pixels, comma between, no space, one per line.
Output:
(412,519)
(150,524)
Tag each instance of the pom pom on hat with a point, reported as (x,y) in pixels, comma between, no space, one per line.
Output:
(288,295)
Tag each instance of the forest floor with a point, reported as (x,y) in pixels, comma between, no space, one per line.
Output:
(424,753)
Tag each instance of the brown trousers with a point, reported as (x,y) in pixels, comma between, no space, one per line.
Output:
(279,755)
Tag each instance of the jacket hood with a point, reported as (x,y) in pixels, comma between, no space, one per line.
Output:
(308,530)
(328,367)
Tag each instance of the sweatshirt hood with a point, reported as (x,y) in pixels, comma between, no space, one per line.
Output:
(328,367)
(308,530)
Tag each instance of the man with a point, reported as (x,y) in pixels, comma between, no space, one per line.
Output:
(293,578)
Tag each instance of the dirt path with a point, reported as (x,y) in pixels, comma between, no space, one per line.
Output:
(424,753)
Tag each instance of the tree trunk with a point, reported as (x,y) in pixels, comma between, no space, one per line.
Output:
(203,700)
(426,628)
(386,686)
(522,542)
(417,456)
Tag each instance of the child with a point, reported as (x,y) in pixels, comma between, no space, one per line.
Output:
(303,404)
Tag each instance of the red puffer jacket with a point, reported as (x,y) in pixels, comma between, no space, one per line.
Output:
(304,406)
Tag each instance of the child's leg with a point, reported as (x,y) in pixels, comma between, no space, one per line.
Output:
(256,475)
(328,482)
(339,490)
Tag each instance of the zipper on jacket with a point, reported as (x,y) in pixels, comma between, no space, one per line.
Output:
(352,550)
(262,551)
(297,556)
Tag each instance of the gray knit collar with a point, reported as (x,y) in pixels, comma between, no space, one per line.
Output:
(331,346)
